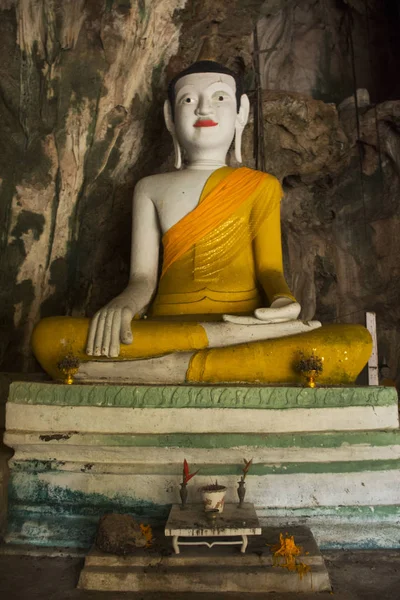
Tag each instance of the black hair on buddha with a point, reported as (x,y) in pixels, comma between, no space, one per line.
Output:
(205,66)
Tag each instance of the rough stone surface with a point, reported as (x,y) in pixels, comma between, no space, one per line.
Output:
(307,47)
(348,249)
(119,534)
(340,212)
(303,137)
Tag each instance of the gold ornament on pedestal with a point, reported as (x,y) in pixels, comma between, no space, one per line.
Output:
(69,366)
(310,367)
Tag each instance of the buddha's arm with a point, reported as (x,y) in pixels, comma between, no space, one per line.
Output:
(267,250)
(145,249)
(268,258)
(111,325)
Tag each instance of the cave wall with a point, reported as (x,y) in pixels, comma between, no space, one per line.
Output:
(339,161)
(81,90)
(79,112)
(325,48)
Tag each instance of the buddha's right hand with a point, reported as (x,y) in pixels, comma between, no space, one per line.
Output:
(110,326)
(281,310)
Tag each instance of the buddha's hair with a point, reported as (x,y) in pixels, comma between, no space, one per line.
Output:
(205,66)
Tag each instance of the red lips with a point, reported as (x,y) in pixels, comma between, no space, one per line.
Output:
(205,123)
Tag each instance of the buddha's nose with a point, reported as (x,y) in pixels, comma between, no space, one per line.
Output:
(204,107)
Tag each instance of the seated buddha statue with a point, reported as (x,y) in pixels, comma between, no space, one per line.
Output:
(219,308)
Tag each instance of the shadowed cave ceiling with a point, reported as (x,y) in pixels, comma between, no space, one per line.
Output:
(82,84)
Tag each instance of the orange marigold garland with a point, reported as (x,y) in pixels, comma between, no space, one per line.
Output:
(147,534)
(288,551)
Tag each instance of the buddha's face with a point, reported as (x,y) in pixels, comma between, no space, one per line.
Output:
(205,111)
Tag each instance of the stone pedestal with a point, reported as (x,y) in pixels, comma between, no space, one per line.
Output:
(328,457)
(206,570)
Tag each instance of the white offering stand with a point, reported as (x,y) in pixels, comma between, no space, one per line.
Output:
(193,521)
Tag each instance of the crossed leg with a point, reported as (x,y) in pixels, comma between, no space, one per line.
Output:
(173,368)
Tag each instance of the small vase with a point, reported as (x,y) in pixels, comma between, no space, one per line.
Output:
(183,492)
(213,497)
(241,492)
(310,378)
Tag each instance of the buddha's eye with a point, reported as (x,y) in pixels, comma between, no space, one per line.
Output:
(187,100)
(220,97)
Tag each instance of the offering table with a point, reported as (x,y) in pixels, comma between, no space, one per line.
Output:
(194,522)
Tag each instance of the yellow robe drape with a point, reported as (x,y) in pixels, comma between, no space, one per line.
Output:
(242,277)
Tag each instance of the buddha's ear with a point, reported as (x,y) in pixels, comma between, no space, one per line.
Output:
(169,122)
(241,120)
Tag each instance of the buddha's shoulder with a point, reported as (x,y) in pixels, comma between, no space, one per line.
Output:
(152,184)
(267,176)
(154,181)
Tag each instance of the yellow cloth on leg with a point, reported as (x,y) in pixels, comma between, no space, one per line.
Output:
(345,348)
(56,337)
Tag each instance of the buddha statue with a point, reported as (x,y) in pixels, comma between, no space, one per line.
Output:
(221,310)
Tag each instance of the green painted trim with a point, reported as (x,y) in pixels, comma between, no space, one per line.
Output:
(43,513)
(216,470)
(360,526)
(187,396)
(331,439)
(354,513)
(34,494)
(378,512)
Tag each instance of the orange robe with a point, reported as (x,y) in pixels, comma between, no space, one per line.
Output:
(225,256)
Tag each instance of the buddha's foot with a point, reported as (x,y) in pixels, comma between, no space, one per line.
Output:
(225,334)
(169,369)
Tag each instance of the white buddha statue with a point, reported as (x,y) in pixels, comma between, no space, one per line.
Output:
(221,310)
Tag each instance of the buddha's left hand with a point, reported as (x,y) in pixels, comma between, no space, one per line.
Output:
(280,311)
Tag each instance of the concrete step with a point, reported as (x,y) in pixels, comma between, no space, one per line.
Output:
(199,569)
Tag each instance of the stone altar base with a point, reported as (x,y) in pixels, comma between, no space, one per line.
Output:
(325,457)
(222,569)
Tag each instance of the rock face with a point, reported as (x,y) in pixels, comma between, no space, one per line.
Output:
(81,91)
(312,47)
(303,137)
(341,208)
(77,102)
